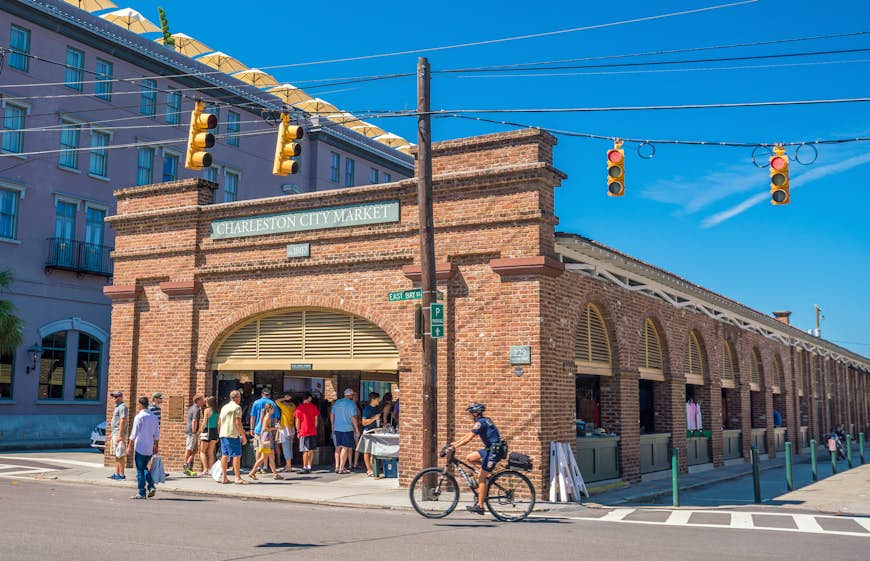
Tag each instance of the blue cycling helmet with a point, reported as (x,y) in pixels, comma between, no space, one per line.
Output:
(476,408)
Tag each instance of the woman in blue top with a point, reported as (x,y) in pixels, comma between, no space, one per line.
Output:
(488,456)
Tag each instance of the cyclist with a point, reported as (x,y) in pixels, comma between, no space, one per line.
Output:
(488,456)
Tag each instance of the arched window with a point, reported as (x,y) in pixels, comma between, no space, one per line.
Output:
(777,382)
(695,366)
(88,368)
(729,366)
(756,371)
(592,353)
(51,366)
(651,353)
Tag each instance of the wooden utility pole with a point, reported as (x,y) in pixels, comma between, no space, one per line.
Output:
(427,261)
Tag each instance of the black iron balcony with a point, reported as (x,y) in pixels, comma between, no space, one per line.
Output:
(83,258)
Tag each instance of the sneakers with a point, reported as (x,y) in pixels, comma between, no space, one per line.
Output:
(305,471)
(188,471)
(138,497)
(117,477)
(475,509)
(151,492)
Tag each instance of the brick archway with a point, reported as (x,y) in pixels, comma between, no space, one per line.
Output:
(209,344)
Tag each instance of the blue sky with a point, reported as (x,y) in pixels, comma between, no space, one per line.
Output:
(700,212)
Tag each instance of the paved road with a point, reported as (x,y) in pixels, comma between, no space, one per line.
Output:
(48,520)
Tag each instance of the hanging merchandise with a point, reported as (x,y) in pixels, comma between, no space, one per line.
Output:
(699,424)
(690,415)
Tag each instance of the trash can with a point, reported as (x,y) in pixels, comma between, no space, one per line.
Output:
(391,468)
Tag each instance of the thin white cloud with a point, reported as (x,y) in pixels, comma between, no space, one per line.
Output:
(697,193)
(801,180)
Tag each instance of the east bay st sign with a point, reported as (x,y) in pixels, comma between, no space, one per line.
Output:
(304,220)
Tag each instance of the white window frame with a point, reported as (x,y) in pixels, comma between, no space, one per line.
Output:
(170,152)
(109,134)
(27,109)
(66,119)
(238,174)
(22,191)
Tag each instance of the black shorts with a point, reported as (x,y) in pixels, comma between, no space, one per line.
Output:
(488,460)
(209,434)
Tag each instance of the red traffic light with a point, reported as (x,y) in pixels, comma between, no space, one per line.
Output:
(778,163)
(615,156)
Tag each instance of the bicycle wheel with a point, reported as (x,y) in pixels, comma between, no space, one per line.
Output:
(510,496)
(434,494)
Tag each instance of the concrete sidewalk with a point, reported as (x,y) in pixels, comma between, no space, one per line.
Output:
(845,493)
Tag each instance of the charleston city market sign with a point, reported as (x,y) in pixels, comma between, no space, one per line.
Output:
(303,220)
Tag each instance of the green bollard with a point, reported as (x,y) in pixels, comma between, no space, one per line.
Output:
(861,447)
(814,463)
(675,476)
(834,461)
(789,481)
(849,450)
(756,475)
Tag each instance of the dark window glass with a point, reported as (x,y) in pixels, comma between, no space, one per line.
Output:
(51,366)
(88,368)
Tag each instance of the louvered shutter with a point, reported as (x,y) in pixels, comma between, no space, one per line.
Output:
(652,347)
(755,368)
(369,340)
(695,371)
(592,345)
(281,336)
(729,369)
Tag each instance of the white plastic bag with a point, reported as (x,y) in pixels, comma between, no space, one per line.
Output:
(158,474)
(215,471)
(120,449)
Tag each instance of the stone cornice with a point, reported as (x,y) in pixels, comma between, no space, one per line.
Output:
(120,292)
(443,271)
(523,266)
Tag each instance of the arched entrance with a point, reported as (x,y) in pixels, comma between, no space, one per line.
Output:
(304,349)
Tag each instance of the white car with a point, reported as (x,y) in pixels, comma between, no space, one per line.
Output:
(98,437)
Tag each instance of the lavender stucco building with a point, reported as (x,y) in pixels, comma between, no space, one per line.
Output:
(85,112)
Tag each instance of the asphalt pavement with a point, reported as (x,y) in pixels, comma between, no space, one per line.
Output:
(73,522)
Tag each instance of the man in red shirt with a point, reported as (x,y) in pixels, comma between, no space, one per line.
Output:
(307,417)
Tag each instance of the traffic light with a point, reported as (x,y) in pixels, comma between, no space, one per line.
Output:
(779,188)
(285,148)
(616,170)
(199,138)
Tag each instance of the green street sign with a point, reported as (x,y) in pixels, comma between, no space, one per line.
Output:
(413,294)
(436,313)
(437,331)
(398,296)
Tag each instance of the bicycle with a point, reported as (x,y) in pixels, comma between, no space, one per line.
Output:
(510,496)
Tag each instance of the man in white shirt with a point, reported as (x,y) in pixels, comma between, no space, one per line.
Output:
(144,441)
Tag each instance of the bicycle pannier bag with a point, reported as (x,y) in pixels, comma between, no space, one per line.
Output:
(519,461)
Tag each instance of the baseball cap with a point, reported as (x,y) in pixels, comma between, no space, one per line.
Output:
(116,393)
(348,391)
(266,391)
(156,395)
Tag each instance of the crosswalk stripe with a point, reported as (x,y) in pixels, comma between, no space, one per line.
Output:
(617,514)
(807,523)
(742,520)
(865,522)
(679,517)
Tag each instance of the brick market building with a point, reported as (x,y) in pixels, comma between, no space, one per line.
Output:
(289,290)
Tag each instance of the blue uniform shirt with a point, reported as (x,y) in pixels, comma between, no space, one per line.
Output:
(257,412)
(486,430)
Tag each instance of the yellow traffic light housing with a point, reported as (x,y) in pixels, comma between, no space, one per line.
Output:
(199,138)
(779,184)
(286,149)
(616,170)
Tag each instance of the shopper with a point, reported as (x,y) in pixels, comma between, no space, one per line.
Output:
(119,435)
(191,434)
(307,421)
(156,403)
(209,435)
(266,438)
(345,425)
(287,430)
(145,441)
(232,435)
(257,415)
(371,417)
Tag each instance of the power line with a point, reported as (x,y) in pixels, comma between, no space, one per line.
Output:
(721,143)
(679,51)
(440,48)
(661,62)
(671,70)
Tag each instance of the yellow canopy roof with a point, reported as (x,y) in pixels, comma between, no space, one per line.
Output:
(289,93)
(92,5)
(392,140)
(317,106)
(222,61)
(368,129)
(256,77)
(187,45)
(131,19)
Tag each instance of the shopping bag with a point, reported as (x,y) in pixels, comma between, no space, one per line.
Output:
(215,471)
(120,449)
(158,474)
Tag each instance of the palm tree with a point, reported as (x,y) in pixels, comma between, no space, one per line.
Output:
(10,324)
